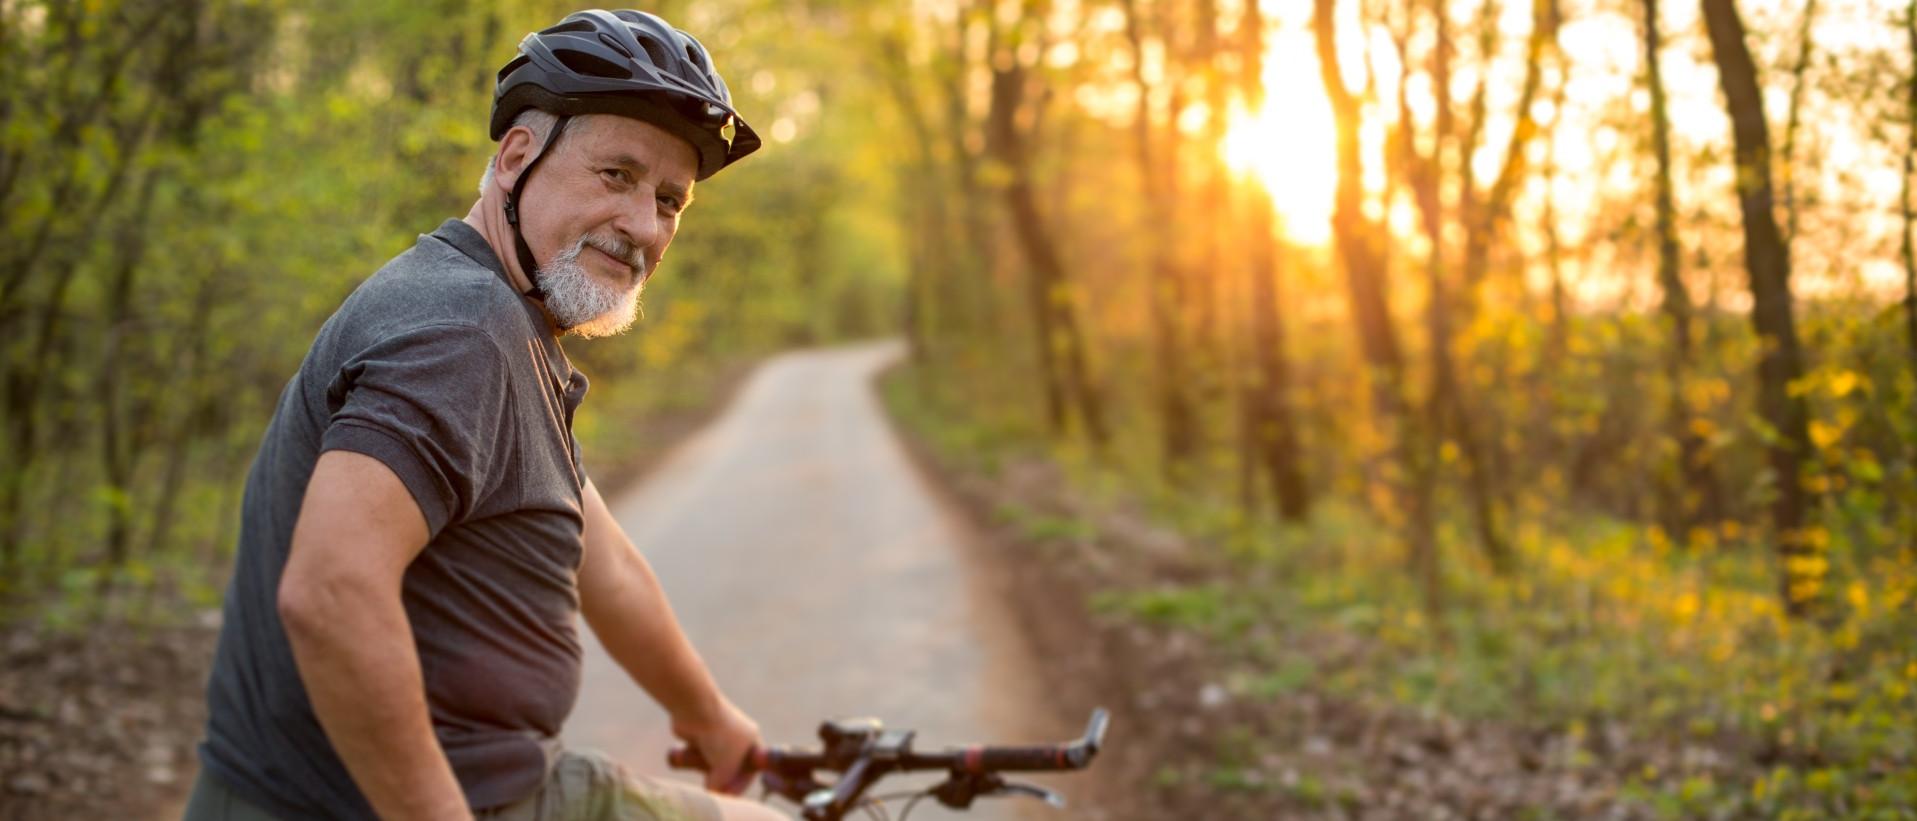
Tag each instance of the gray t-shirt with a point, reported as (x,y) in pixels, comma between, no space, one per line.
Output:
(437,367)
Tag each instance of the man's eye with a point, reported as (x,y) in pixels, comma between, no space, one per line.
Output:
(617,175)
(671,204)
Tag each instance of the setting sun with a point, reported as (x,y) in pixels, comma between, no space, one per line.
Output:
(1290,145)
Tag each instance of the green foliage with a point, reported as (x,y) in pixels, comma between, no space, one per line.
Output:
(191,190)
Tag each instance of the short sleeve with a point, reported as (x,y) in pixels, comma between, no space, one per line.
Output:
(433,404)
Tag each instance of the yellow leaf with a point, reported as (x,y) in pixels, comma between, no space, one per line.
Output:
(1824,435)
(1806,566)
(1843,382)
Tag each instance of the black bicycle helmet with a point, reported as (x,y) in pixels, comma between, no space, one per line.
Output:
(624,62)
(632,64)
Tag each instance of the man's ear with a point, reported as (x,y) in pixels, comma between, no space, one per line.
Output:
(516,149)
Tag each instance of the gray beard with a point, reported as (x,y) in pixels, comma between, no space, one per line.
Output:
(587,306)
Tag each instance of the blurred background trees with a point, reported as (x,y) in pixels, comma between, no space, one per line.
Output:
(1506,208)
(192,188)
(1551,346)
(1597,310)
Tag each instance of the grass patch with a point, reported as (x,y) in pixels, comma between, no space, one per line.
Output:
(1604,623)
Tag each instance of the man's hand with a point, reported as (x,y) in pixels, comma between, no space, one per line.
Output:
(726,738)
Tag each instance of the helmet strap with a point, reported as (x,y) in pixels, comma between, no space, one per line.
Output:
(526,261)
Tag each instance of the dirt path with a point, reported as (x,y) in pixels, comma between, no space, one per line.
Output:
(820,575)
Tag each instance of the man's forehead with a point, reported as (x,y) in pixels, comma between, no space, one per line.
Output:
(642,146)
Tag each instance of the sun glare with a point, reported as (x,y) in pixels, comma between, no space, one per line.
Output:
(1290,145)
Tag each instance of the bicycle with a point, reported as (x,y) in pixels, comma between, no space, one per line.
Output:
(862,751)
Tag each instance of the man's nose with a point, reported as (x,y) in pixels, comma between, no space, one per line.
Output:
(640,225)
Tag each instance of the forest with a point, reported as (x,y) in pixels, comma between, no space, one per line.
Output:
(1563,353)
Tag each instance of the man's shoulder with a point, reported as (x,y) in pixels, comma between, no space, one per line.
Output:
(435,284)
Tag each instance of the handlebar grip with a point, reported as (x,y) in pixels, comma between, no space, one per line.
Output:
(686,757)
(682,757)
(1028,759)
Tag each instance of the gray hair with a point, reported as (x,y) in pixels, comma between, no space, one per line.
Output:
(540,123)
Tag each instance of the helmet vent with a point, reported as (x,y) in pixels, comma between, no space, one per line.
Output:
(697,59)
(656,54)
(591,64)
(513,65)
(614,44)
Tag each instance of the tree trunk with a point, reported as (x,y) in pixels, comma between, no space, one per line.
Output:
(118,455)
(1768,261)
(1361,252)
(1062,356)
(179,445)
(925,316)
(1360,246)
(1794,119)
(1483,220)
(1272,425)
(1560,336)
(1691,499)
(1158,175)
(1210,358)
(1274,431)
(1910,211)
(1446,411)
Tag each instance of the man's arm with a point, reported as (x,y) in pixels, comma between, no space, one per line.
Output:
(628,611)
(340,602)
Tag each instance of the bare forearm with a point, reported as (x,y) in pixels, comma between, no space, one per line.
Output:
(629,613)
(356,657)
(626,608)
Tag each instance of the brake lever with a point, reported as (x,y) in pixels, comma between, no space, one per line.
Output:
(1017,788)
(793,789)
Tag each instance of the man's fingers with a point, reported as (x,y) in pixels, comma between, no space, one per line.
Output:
(729,783)
(734,779)
(739,783)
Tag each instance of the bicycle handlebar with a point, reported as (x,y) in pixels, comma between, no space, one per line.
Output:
(864,752)
(1074,755)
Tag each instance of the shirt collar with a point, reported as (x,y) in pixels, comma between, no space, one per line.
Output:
(467,240)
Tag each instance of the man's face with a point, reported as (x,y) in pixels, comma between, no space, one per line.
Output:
(598,215)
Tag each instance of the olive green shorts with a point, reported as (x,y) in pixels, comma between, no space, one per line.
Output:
(586,785)
(583,786)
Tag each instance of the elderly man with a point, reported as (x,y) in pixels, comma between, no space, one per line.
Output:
(418,535)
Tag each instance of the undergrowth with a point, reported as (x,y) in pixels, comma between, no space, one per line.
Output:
(1605,625)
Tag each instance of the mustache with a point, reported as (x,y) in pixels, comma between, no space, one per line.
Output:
(618,249)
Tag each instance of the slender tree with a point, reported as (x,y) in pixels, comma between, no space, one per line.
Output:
(931,257)
(1268,401)
(1909,247)
(1548,220)
(1692,499)
(1069,389)
(1767,259)
(1423,176)
(1794,121)
(1361,253)
(1359,238)
(1158,179)
(1208,349)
